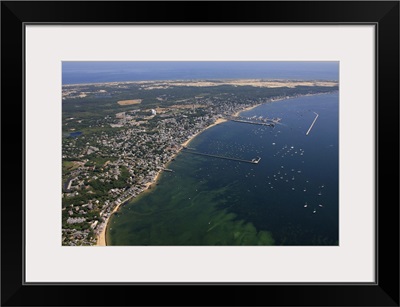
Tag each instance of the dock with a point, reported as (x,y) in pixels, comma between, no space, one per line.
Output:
(312,123)
(253,161)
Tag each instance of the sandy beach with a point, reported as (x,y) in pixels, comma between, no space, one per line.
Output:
(101,238)
(218,121)
(246,109)
(148,185)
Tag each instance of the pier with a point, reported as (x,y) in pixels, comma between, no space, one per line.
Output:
(253,161)
(271,122)
(253,122)
(312,123)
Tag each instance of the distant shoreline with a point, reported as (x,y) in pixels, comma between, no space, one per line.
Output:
(197,80)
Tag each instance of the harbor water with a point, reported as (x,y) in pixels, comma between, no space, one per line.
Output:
(291,197)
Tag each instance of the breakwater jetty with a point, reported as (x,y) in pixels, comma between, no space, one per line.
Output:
(309,129)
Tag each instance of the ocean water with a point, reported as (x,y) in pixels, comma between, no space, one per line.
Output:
(291,197)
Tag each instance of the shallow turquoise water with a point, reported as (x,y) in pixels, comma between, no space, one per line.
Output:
(211,201)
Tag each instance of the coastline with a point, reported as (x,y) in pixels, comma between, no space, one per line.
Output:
(101,237)
(217,122)
(246,109)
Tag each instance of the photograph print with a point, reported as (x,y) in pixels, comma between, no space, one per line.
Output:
(200,153)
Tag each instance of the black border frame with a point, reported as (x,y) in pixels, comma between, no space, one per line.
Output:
(383,14)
